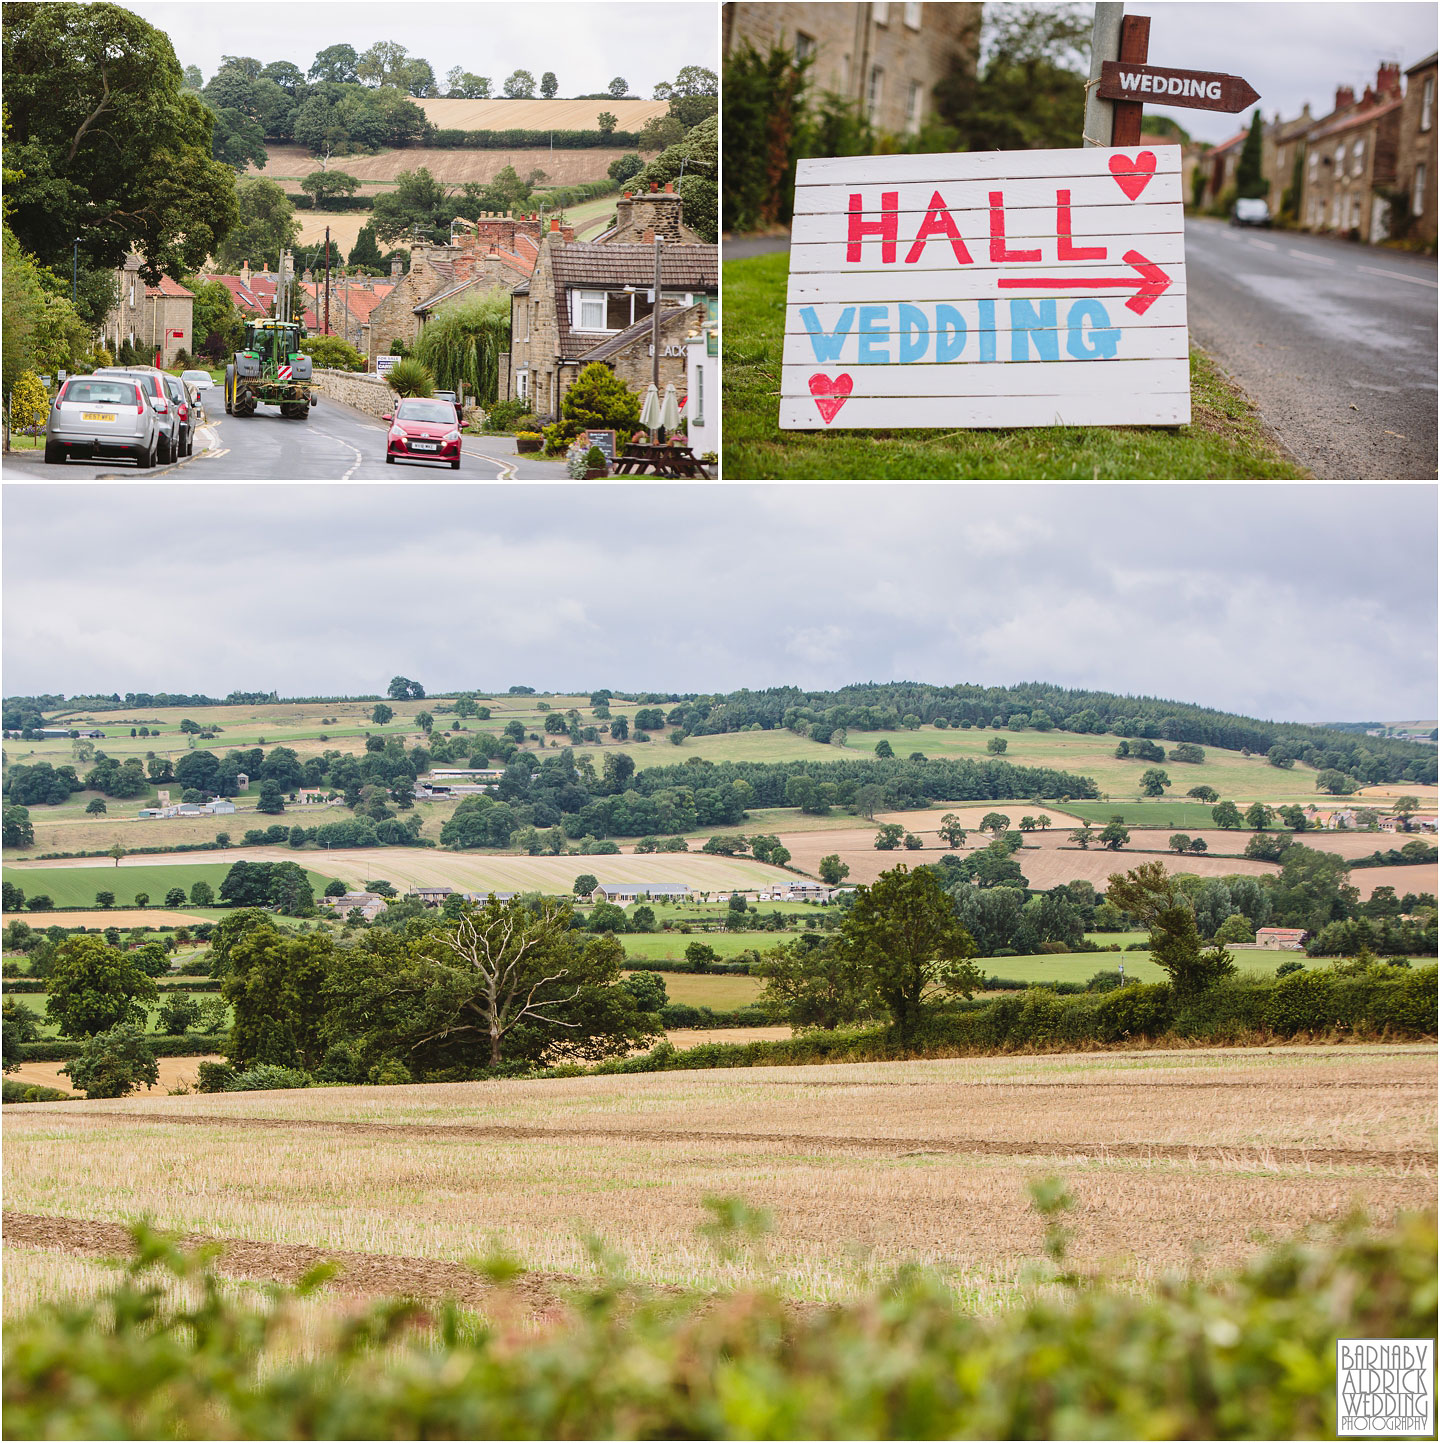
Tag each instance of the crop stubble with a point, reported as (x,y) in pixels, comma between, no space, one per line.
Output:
(1172,1159)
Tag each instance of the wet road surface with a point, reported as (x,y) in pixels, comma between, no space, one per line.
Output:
(1334,342)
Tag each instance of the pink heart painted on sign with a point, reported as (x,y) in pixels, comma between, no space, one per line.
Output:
(1125,171)
(829,394)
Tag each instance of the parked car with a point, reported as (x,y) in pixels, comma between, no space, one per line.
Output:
(103,416)
(151,381)
(454,400)
(186,408)
(1250,212)
(198,379)
(423,429)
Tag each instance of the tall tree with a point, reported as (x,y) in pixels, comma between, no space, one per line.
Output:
(520,85)
(104,142)
(337,64)
(267,225)
(549,85)
(93,986)
(1249,182)
(904,933)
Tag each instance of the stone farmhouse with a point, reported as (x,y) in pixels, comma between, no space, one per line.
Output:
(1417,149)
(590,301)
(157,318)
(371,904)
(1351,159)
(1281,939)
(886,58)
(623,893)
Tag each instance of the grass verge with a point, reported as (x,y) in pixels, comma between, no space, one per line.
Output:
(1226,438)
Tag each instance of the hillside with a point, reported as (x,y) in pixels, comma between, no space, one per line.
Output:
(539,114)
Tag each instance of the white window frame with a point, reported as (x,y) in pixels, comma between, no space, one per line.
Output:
(874,93)
(697,416)
(880,11)
(1427,103)
(1358,151)
(1417,195)
(804,46)
(913,103)
(1314,163)
(912,14)
(1340,159)
(522,384)
(1335,213)
(588,298)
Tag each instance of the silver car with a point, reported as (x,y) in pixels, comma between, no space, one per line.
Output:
(152,381)
(103,416)
(184,407)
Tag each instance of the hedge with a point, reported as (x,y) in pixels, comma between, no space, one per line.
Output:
(191,1044)
(32,1092)
(683,1014)
(532,139)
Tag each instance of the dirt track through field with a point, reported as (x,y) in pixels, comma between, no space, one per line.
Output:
(1264,1156)
(370,1274)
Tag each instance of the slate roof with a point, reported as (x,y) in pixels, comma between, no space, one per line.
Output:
(585,266)
(1361,117)
(639,331)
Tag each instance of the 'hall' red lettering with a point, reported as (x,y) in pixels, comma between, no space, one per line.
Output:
(1069,252)
(887,227)
(998,251)
(938,222)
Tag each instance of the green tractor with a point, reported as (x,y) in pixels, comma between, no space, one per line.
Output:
(270,368)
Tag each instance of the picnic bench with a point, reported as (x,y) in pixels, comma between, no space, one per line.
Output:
(680,461)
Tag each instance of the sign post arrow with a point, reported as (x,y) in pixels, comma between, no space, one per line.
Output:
(1161,85)
(1153,283)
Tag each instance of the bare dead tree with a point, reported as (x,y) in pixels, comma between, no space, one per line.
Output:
(501,947)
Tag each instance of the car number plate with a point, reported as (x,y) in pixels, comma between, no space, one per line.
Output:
(425,445)
(95,416)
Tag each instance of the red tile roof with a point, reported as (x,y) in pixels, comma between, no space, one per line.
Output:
(1361,117)
(167,287)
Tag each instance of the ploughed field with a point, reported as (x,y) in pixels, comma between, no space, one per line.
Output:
(1178,1159)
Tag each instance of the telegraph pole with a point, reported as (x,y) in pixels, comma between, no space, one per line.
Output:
(1099,125)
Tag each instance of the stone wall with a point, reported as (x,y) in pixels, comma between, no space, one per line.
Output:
(355,388)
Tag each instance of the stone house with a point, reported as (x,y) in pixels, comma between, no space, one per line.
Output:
(1282,146)
(1350,161)
(158,318)
(1281,939)
(885,58)
(1221,163)
(591,301)
(1416,167)
(497,250)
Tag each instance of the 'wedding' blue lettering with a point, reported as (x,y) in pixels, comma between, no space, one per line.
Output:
(1104,338)
(827,344)
(987,330)
(1027,324)
(914,334)
(872,351)
(949,333)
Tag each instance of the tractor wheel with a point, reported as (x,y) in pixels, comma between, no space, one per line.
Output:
(229,389)
(244,403)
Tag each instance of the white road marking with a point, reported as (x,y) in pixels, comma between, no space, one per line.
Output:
(506,469)
(355,450)
(1399,276)
(1264,245)
(1306,256)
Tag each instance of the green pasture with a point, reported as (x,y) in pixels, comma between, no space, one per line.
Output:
(724,994)
(670,946)
(77,886)
(1225,439)
(1173,816)
(34,1002)
(1082,966)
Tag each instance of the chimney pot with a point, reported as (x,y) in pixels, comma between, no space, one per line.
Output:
(1344,97)
(554,225)
(654,185)
(669,189)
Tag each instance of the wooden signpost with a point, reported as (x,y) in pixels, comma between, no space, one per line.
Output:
(1024,288)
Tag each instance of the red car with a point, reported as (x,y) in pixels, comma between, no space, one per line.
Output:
(423,430)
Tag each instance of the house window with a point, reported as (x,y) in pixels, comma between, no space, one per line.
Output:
(1335,214)
(1427,102)
(1339,160)
(1417,195)
(804,46)
(1360,157)
(877,89)
(589,311)
(1314,163)
(880,9)
(132,293)
(912,109)
(522,384)
(697,417)
(912,14)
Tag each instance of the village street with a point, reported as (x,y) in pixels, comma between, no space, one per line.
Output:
(1334,342)
(336,443)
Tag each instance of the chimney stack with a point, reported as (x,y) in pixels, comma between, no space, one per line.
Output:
(1344,97)
(1387,78)
(395,269)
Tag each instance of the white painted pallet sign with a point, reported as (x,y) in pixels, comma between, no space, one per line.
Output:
(1001,288)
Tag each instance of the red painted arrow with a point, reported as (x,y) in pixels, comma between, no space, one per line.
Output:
(1153,283)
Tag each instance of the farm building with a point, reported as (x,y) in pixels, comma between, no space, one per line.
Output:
(370,904)
(430,896)
(623,893)
(57,733)
(1281,939)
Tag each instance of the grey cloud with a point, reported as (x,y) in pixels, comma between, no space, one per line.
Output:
(1302,602)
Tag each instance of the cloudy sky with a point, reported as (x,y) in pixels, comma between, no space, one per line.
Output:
(585,42)
(1291,52)
(1304,603)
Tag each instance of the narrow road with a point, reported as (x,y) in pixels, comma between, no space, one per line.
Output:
(336,443)
(1334,342)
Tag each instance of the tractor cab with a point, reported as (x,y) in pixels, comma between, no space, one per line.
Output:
(272,342)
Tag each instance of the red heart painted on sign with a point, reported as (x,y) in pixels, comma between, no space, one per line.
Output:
(829,394)
(1132,176)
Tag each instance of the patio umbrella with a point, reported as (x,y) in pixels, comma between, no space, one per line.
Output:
(670,410)
(650,411)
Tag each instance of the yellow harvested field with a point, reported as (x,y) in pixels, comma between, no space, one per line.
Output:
(687,1037)
(173,1071)
(115,917)
(630,114)
(1177,1159)
(290,164)
(469,871)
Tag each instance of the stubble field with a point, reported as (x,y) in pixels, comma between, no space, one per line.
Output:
(1178,1160)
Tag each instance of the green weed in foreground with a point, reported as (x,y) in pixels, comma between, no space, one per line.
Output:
(1224,440)
(1250,1355)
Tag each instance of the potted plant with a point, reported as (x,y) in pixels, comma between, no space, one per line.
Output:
(528,442)
(595,466)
